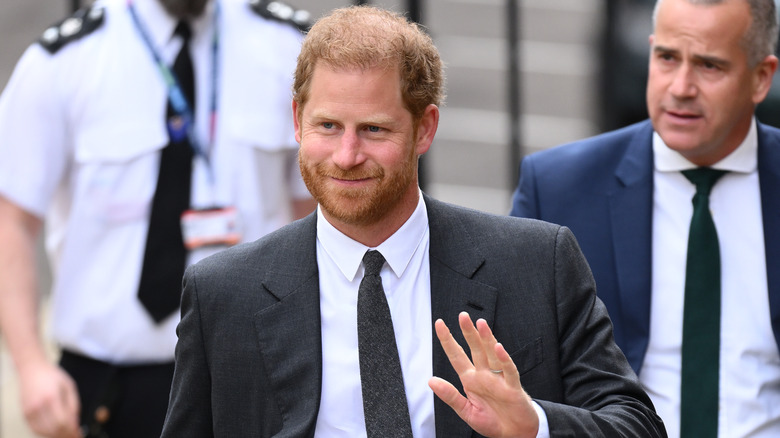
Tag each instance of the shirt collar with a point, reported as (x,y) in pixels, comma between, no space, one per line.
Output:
(398,249)
(744,159)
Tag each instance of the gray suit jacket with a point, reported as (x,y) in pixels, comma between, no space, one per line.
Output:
(248,361)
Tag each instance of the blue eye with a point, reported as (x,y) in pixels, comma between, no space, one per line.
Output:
(374,128)
(327,125)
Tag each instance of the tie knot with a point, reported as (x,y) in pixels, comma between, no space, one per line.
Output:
(704,178)
(373,261)
(183,30)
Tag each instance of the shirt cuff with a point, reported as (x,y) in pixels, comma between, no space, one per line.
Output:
(544,427)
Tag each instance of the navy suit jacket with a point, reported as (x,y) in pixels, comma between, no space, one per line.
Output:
(602,189)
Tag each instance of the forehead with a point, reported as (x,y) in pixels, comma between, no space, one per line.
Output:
(355,85)
(705,28)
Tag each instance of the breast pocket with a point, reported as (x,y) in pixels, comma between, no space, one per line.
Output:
(528,356)
(260,166)
(116,169)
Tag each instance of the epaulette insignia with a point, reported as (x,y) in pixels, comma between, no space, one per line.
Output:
(81,23)
(280,11)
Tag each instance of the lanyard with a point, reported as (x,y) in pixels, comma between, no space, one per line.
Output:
(178,101)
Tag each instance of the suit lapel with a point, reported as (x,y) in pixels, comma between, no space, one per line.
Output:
(769,182)
(454,259)
(289,332)
(631,206)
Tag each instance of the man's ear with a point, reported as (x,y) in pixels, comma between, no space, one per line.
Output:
(762,77)
(426,129)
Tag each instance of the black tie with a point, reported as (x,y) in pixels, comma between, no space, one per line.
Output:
(165,256)
(384,398)
(701,315)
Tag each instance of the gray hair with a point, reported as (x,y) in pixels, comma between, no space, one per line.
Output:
(760,40)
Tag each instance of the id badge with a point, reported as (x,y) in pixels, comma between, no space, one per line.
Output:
(210,227)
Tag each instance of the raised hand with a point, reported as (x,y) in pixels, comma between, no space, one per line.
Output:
(495,404)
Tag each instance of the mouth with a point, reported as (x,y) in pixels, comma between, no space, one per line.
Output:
(350,180)
(683,115)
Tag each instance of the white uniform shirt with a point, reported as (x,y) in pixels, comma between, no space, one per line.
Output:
(749,360)
(80,137)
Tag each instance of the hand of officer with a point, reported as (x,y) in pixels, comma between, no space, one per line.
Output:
(50,401)
(495,404)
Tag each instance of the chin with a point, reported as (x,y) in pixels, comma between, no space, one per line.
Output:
(679,138)
(357,213)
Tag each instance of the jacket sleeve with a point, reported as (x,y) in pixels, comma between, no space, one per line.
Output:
(602,395)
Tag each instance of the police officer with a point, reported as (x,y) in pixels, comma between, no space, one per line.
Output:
(88,125)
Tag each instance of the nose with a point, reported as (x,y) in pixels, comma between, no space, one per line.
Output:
(683,84)
(348,154)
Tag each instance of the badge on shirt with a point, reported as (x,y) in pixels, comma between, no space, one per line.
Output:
(219,226)
(177,128)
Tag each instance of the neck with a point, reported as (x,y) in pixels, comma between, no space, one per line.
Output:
(733,140)
(184,9)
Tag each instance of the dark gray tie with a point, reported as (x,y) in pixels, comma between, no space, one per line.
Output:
(381,378)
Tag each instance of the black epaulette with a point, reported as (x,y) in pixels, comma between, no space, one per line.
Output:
(82,22)
(280,11)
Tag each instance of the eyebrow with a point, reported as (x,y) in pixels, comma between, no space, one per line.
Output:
(700,58)
(378,120)
(657,48)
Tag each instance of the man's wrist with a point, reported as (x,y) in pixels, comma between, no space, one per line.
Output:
(544,427)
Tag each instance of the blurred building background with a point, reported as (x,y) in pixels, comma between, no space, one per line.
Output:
(581,69)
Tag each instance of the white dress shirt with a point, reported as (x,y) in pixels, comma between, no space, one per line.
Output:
(749,401)
(407,285)
(81,132)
